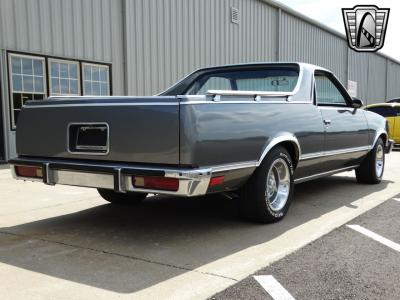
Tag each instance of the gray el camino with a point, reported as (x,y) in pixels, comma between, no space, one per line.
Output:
(252,130)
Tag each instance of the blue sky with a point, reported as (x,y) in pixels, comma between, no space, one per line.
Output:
(330,14)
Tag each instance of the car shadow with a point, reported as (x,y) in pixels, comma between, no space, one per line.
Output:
(129,248)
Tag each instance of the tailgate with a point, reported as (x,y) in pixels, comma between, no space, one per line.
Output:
(120,129)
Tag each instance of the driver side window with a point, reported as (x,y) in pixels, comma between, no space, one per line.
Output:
(327,93)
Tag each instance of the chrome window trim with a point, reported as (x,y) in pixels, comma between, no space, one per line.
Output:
(337,107)
(262,93)
(193,102)
(301,65)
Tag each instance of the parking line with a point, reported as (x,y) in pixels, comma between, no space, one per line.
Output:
(273,287)
(375,237)
(396,199)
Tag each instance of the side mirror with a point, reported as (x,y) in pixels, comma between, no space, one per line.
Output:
(357,103)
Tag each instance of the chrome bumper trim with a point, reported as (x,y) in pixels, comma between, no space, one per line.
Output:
(192,182)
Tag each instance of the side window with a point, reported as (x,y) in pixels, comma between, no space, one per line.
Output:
(214,83)
(327,92)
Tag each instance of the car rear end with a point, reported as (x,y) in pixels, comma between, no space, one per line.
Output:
(118,143)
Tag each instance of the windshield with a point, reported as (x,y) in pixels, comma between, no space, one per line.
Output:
(265,80)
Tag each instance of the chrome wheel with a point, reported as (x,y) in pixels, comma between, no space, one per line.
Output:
(278,185)
(379,161)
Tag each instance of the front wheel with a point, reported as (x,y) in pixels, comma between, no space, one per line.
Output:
(121,198)
(372,167)
(266,197)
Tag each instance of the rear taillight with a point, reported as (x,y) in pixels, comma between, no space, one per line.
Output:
(216,180)
(156,183)
(29,171)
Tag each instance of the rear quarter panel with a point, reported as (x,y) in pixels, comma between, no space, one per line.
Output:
(223,133)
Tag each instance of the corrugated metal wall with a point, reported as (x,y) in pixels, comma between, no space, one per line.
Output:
(393,80)
(376,79)
(168,39)
(153,43)
(358,71)
(301,41)
(78,29)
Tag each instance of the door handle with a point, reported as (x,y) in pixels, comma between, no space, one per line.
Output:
(327,122)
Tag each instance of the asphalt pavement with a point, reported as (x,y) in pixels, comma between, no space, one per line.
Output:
(343,264)
(67,243)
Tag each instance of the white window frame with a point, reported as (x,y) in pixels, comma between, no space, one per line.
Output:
(96,65)
(58,60)
(10,80)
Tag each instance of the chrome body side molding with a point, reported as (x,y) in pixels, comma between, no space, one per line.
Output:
(315,176)
(334,152)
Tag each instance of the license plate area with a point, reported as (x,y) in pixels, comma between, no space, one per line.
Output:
(88,138)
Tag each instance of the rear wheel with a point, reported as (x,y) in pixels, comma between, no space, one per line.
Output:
(267,195)
(121,198)
(371,169)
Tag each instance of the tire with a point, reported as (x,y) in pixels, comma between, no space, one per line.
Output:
(121,198)
(371,169)
(256,199)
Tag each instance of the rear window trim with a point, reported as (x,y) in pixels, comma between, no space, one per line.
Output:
(295,68)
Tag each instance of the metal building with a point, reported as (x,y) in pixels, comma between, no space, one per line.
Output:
(140,47)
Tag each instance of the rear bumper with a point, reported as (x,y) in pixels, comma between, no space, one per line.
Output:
(389,146)
(117,177)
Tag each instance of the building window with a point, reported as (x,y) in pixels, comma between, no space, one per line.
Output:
(28,80)
(64,77)
(95,80)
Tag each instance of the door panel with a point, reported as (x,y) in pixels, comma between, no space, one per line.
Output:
(346,128)
(346,132)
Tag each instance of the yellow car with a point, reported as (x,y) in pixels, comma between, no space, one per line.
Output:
(391,111)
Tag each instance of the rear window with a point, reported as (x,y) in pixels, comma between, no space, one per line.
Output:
(266,80)
(384,111)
